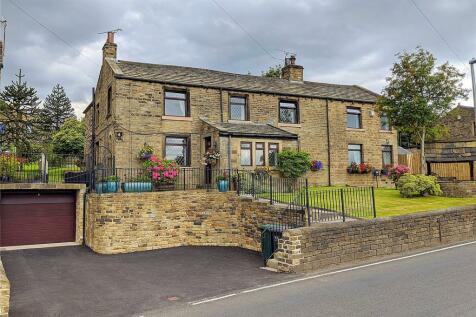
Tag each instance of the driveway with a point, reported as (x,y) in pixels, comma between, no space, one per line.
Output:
(74,281)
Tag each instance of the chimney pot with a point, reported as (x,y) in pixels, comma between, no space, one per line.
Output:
(109,50)
(110,37)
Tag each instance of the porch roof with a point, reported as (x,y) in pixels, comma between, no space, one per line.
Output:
(250,129)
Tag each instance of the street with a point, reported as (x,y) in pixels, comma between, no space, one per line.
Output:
(439,283)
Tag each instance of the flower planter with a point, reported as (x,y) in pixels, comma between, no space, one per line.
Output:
(223,185)
(145,156)
(137,187)
(107,187)
(164,187)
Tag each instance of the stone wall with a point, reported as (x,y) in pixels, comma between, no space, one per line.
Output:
(459,189)
(121,223)
(4,292)
(325,245)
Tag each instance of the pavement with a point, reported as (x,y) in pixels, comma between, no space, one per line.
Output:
(441,283)
(74,281)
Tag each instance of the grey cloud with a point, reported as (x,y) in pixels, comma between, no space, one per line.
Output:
(352,42)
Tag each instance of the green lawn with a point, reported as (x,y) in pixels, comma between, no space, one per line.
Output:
(30,171)
(388,201)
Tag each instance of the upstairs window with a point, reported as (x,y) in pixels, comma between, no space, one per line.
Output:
(176,148)
(238,108)
(245,153)
(273,149)
(176,104)
(354,118)
(259,154)
(109,100)
(384,122)
(288,112)
(355,153)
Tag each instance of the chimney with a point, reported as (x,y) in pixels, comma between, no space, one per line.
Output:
(109,50)
(291,71)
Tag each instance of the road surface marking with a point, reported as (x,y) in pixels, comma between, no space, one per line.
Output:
(212,299)
(334,272)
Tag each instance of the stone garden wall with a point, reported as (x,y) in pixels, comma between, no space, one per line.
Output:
(4,292)
(129,222)
(326,245)
(459,188)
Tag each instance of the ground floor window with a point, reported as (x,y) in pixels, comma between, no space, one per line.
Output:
(176,148)
(387,155)
(273,149)
(259,154)
(245,153)
(355,153)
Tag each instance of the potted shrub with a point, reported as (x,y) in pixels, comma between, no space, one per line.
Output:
(223,183)
(140,183)
(109,184)
(145,152)
(163,173)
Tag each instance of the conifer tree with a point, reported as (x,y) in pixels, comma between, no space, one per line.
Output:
(56,109)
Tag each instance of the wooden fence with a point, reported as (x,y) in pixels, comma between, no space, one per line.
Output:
(459,170)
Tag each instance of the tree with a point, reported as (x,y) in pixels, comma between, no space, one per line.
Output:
(418,94)
(56,109)
(293,164)
(20,116)
(70,138)
(272,72)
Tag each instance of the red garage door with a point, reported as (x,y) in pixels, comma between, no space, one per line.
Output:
(36,218)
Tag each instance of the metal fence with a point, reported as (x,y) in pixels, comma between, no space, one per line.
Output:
(39,167)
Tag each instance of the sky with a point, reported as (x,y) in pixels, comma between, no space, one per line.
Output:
(336,41)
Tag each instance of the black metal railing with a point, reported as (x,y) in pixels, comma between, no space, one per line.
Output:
(39,167)
(111,180)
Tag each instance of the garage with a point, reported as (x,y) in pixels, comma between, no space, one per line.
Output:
(29,218)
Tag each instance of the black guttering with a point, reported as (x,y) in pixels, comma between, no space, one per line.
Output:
(328,144)
(165,82)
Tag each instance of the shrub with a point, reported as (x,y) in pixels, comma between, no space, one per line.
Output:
(293,164)
(398,171)
(162,171)
(418,185)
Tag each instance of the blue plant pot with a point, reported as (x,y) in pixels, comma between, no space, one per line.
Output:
(223,185)
(107,187)
(137,187)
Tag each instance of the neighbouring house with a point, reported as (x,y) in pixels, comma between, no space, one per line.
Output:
(453,155)
(182,112)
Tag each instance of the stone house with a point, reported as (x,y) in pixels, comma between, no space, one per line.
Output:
(182,111)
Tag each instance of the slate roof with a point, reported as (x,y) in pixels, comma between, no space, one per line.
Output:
(250,129)
(190,76)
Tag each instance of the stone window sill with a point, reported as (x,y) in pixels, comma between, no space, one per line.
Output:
(355,130)
(386,131)
(289,125)
(239,121)
(174,118)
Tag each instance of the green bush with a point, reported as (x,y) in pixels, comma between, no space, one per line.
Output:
(293,164)
(418,185)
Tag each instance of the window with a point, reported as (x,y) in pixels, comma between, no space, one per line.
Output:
(238,108)
(387,155)
(354,118)
(176,104)
(273,149)
(109,100)
(384,122)
(259,154)
(355,153)
(288,112)
(245,154)
(176,148)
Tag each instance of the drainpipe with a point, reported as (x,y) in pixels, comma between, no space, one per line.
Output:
(84,218)
(221,104)
(229,151)
(328,144)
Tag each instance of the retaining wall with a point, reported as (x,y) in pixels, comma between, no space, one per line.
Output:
(4,292)
(325,245)
(459,188)
(129,222)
